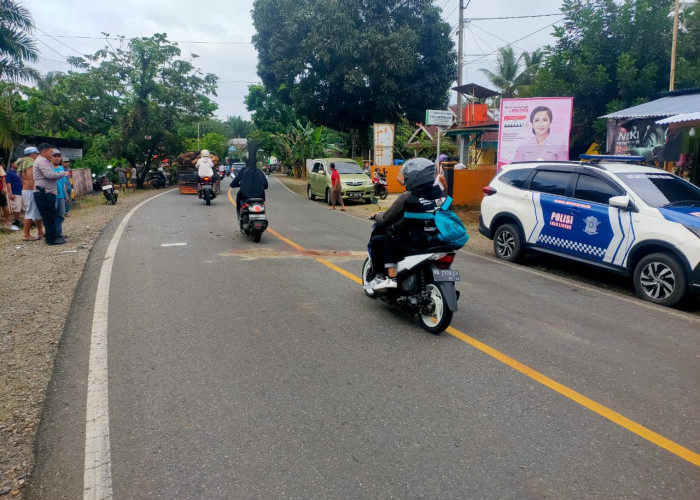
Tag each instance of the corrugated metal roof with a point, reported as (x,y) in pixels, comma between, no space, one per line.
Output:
(683,117)
(666,106)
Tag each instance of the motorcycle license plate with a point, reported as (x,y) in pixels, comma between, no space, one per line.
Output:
(206,187)
(445,274)
(354,195)
(106,187)
(256,217)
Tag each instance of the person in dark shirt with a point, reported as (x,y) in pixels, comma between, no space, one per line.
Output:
(251,182)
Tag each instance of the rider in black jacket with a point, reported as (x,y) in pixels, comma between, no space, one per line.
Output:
(405,231)
(252,183)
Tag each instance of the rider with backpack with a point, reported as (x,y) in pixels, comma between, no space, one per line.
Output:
(409,224)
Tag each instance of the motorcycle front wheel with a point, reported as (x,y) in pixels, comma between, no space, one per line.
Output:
(439,316)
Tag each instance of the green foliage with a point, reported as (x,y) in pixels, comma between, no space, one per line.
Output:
(347,64)
(303,141)
(612,54)
(215,143)
(509,77)
(16,42)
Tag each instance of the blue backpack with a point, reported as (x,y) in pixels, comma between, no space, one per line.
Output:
(450,230)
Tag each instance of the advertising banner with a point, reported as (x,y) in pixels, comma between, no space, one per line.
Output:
(642,137)
(383,144)
(534,129)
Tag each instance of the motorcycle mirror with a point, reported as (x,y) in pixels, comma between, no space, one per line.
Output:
(94,175)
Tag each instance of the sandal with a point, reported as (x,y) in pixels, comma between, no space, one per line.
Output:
(31,238)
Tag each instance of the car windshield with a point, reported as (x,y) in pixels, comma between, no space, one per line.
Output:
(662,190)
(346,167)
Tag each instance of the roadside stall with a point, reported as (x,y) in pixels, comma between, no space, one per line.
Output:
(663,131)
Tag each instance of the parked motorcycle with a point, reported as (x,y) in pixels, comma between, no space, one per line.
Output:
(380,185)
(107,187)
(157,180)
(426,287)
(253,220)
(206,189)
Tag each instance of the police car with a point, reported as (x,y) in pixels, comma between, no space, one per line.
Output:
(628,218)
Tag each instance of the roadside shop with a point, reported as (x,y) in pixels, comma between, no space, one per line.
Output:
(664,131)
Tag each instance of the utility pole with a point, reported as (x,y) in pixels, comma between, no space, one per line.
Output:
(460,57)
(673,48)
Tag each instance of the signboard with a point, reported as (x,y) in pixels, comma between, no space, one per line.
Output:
(643,137)
(534,129)
(383,144)
(438,117)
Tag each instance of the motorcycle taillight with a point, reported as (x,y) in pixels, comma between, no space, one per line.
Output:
(446,260)
(206,179)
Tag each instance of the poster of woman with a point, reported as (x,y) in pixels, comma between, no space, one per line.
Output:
(534,129)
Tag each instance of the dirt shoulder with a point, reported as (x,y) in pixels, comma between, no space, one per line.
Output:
(39,282)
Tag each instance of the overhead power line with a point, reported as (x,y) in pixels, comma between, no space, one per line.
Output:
(174,41)
(511,17)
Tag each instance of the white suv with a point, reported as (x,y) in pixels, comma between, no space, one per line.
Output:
(637,220)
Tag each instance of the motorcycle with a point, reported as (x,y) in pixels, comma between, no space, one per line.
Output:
(380,185)
(157,180)
(425,287)
(206,189)
(107,188)
(253,220)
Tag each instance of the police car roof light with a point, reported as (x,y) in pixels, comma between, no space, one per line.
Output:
(627,158)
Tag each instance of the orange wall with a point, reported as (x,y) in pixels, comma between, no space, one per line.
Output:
(468,184)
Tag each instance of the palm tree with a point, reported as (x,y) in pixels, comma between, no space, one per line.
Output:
(16,44)
(508,76)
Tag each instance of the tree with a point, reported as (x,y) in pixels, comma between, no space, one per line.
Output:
(612,54)
(156,92)
(16,45)
(302,142)
(509,77)
(346,64)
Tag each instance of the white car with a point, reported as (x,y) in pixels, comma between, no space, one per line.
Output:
(632,219)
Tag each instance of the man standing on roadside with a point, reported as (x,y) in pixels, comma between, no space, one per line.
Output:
(65,163)
(45,190)
(336,189)
(25,167)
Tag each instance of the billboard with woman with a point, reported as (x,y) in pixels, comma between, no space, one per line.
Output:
(534,129)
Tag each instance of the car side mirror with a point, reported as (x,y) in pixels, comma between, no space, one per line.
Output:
(624,202)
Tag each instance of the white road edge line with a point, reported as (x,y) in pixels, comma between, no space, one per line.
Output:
(97,476)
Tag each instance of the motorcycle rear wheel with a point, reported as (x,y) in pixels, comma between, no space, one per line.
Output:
(256,236)
(384,193)
(113,200)
(441,316)
(207,197)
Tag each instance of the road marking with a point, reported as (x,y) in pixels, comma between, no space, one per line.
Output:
(173,244)
(97,474)
(613,416)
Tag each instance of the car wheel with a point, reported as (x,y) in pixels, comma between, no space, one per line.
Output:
(440,316)
(660,279)
(507,243)
(310,195)
(367,276)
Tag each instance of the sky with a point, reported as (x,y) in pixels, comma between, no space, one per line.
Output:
(220,33)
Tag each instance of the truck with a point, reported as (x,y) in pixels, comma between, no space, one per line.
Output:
(187,172)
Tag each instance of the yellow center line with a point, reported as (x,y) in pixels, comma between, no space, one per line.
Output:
(613,416)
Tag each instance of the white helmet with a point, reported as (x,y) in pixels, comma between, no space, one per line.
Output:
(204,152)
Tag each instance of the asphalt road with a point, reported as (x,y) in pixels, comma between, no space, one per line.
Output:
(244,370)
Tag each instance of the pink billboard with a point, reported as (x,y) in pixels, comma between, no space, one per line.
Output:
(534,129)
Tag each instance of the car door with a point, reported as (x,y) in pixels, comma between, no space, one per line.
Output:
(552,219)
(596,225)
(314,177)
